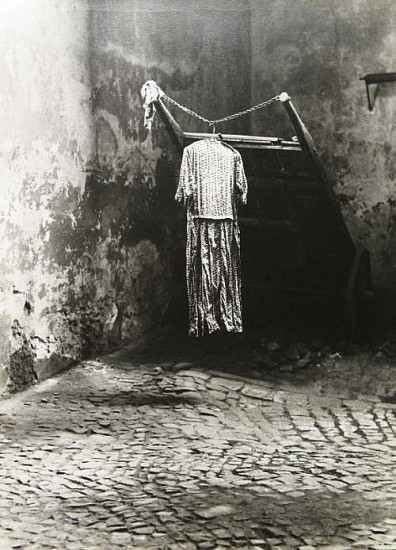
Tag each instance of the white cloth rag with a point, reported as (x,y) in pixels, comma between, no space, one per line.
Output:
(150,92)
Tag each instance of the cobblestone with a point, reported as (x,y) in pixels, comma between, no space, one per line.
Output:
(116,454)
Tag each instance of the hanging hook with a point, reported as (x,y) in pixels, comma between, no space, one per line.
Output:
(213,124)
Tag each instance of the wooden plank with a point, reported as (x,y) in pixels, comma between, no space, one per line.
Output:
(281,224)
(379,78)
(308,146)
(302,291)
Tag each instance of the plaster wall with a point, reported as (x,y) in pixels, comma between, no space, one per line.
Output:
(87,215)
(77,275)
(45,141)
(317,51)
(199,53)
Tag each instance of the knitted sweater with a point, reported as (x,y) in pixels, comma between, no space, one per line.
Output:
(212,180)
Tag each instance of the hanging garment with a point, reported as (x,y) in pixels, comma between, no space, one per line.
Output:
(212,181)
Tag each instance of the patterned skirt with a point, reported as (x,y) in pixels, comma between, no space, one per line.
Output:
(213,269)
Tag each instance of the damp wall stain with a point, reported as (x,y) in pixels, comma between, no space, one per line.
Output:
(87,210)
(45,141)
(92,239)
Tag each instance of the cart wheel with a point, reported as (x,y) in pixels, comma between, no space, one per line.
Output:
(359,293)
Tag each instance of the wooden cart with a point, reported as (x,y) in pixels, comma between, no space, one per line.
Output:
(294,240)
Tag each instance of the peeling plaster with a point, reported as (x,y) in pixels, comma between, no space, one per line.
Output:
(86,201)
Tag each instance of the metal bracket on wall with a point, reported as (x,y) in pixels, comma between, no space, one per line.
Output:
(376,79)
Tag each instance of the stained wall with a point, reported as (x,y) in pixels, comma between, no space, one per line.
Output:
(92,240)
(45,141)
(317,51)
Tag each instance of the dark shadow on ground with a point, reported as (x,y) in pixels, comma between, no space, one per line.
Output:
(248,515)
(280,353)
(137,399)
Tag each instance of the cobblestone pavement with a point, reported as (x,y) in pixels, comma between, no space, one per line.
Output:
(117,454)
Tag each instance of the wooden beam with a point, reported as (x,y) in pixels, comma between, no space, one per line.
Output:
(248,142)
(308,146)
(174,129)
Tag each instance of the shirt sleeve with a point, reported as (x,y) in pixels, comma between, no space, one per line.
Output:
(240,180)
(185,187)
